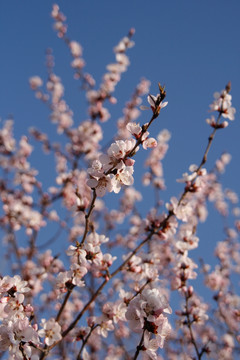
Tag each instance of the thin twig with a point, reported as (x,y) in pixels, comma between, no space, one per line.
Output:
(86,340)
(189,324)
(87,216)
(139,347)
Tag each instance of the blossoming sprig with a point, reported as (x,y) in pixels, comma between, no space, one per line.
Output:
(137,131)
(115,169)
(223,103)
(156,103)
(198,170)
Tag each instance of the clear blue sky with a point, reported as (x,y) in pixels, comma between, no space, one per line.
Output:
(191,46)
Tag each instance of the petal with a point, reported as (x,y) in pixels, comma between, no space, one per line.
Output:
(163,104)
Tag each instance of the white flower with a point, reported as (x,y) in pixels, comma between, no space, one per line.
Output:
(15,332)
(151,346)
(123,177)
(122,59)
(155,303)
(77,251)
(75,48)
(222,103)
(182,211)
(120,148)
(96,169)
(105,326)
(134,129)
(6,283)
(163,330)
(156,103)
(15,305)
(147,307)
(62,279)
(149,143)
(15,284)
(187,177)
(21,330)
(35,82)
(135,315)
(78,273)
(95,239)
(51,331)
(101,185)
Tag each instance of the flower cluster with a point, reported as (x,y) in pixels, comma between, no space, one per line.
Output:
(84,258)
(223,103)
(96,98)
(113,170)
(131,111)
(145,313)
(17,334)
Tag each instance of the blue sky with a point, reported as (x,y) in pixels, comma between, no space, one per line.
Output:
(190,46)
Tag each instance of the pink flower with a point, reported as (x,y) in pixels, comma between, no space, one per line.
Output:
(76,49)
(105,326)
(120,148)
(149,143)
(147,306)
(16,332)
(155,102)
(78,252)
(78,63)
(216,280)
(62,279)
(155,303)
(151,346)
(35,82)
(15,284)
(123,45)
(123,177)
(77,273)
(6,283)
(137,131)
(101,185)
(115,311)
(183,211)
(222,103)
(163,330)
(135,315)
(14,305)
(22,331)
(95,239)
(51,331)
(134,129)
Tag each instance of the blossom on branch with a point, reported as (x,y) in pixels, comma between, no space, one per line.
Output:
(156,103)
(51,331)
(145,312)
(223,104)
